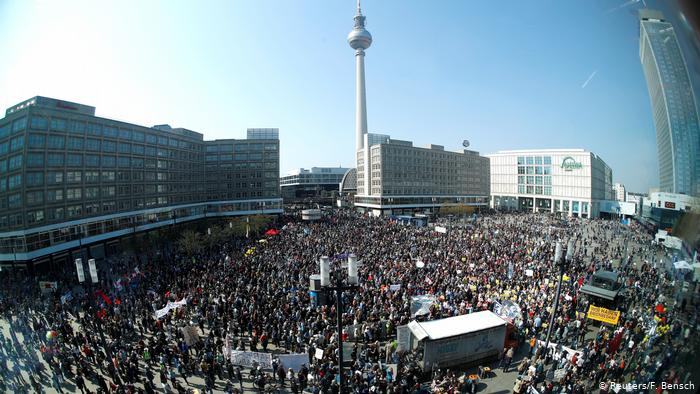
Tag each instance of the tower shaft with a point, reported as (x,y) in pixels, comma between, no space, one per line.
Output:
(360,100)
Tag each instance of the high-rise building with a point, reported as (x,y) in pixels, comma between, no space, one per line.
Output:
(673,104)
(620,192)
(69,178)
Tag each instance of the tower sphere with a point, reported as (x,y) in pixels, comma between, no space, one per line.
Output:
(359,37)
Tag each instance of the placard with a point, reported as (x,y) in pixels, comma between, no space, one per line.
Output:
(604,315)
(319,354)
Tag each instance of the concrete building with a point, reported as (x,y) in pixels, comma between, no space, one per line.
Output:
(69,178)
(315,183)
(673,104)
(620,192)
(571,182)
(394,177)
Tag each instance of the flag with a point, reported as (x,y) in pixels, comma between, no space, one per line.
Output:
(104,297)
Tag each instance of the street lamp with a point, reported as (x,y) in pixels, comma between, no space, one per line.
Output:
(562,266)
(349,284)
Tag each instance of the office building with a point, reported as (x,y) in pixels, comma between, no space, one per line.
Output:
(620,192)
(395,177)
(69,178)
(673,105)
(571,182)
(318,182)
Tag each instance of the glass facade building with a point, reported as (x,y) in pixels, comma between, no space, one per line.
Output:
(316,182)
(673,105)
(68,177)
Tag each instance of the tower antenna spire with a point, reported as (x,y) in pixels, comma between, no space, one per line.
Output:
(359,9)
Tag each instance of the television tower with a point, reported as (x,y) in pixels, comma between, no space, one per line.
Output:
(359,40)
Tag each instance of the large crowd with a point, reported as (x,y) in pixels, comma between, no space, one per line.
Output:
(252,294)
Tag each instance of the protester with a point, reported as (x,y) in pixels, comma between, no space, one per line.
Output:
(181,315)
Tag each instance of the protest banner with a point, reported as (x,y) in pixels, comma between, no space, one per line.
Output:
(79,268)
(395,287)
(603,315)
(294,361)
(251,359)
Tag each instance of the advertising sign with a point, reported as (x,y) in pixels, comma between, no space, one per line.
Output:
(569,164)
(93,270)
(604,315)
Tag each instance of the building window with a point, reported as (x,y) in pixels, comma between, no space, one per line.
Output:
(74,176)
(74,194)
(109,146)
(109,161)
(94,129)
(538,190)
(57,142)
(14,200)
(35,179)
(547,160)
(92,144)
(92,176)
(75,210)
(547,190)
(92,161)
(54,159)
(17,143)
(77,127)
(35,216)
(530,189)
(34,198)
(58,124)
(529,160)
(123,162)
(39,123)
(92,192)
(110,132)
(15,162)
(73,160)
(108,176)
(36,140)
(35,160)
(75,143)
(54,178)
(14,182)
(124,134)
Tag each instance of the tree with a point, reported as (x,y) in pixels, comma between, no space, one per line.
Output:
(190,242)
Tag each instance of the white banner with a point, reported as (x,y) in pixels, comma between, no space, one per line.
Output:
(319,354)
(171,305)
(294,361)
(250,359)
(440,229)
(79,268)
(93,270)
(395,287)
(403,339)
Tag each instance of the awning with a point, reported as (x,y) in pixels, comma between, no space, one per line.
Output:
(599,292)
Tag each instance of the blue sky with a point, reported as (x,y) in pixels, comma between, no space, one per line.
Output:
(503,74)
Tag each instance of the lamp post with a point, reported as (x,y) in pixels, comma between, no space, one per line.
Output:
(349,284)
(562,266)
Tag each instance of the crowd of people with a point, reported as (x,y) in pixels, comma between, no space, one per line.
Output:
(252,294)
